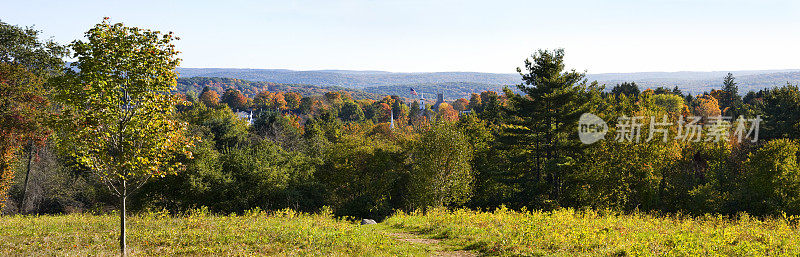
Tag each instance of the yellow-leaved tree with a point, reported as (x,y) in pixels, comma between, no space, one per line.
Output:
(118,116)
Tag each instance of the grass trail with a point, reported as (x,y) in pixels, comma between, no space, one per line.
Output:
(436,247)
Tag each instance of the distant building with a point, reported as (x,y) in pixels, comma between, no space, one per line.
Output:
(246,115)
(439,100)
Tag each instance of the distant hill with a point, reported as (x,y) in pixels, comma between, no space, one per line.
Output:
(350,79)
(699,82)
(251,88)
(460,84)
(449,90)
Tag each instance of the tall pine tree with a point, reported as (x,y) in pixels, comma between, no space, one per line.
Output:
(540,131)
(731,103)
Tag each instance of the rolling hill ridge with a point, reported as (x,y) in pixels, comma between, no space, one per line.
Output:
(461,84)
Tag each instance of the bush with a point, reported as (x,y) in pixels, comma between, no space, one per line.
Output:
(441,173)
(236,179)
(771,183)
(363,176)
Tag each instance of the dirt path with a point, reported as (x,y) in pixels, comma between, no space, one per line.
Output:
(415,239)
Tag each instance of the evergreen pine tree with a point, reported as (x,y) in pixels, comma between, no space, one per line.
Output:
(541,124)
(731,103)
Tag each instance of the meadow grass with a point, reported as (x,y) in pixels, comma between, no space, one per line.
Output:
(589,233)
(500,232)
(256,233)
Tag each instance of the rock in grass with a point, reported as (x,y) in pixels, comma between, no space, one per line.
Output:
(368,222)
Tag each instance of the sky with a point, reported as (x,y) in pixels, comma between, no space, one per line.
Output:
(433,36)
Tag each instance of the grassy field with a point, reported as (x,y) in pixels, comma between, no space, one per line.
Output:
(281,233)
(571,233)
(438,232)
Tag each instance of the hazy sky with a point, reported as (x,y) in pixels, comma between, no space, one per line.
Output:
(484,36)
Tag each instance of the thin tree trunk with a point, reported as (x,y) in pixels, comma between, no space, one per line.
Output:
(122,222)
(27,176)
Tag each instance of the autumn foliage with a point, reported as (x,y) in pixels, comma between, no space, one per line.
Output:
(235,99)
(209,97)
(270,100)
(23,113)
(461,104)
(706,106)
(447,113)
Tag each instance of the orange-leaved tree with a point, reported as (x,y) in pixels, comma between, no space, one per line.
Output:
(26,62)
(235,99)
(21,118)
(209,97)
(447,113)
